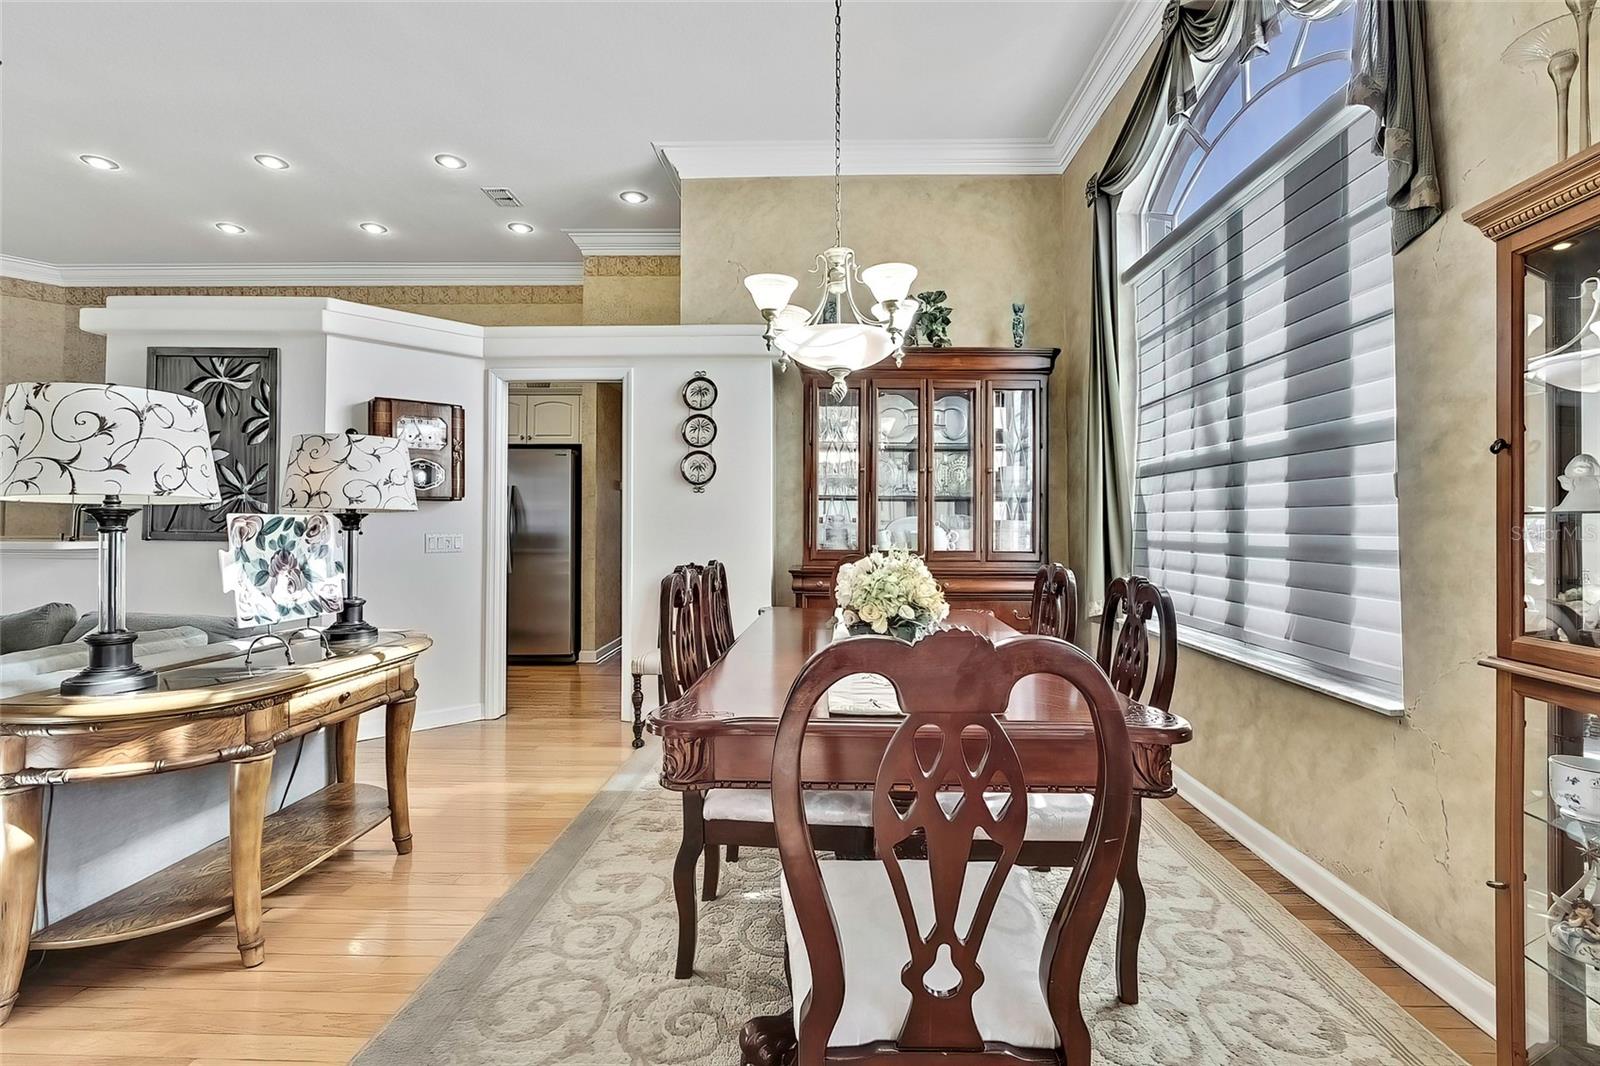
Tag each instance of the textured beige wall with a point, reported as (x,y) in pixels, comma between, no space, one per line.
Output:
(1401,810)
(630,290)
(40,341)
(987,241)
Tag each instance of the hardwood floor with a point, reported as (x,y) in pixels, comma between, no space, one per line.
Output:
(348,943)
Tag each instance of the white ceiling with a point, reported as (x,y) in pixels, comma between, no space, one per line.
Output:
(561,102)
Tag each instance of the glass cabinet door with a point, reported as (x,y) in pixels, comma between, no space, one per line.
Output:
(837,489)
(897,424)
(1014,489)
(1560,894)
(953,445)
(1560,528)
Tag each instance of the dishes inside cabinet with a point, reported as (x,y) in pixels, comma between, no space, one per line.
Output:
(897,418)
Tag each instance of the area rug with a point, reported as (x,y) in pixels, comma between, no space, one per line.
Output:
(574,964)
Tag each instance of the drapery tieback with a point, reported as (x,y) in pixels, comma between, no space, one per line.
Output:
(1169,17)
(1091,189)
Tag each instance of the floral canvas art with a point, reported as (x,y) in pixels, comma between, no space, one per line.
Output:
(281,567)
(237,387)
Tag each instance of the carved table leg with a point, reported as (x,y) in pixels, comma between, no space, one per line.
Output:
(768,1041)
(397,748)
(1130,915)
(247,814)
(694,842)
(344,748)
(638,711)
(20,812)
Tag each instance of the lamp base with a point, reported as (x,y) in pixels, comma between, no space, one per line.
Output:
(111,670)
(351,630)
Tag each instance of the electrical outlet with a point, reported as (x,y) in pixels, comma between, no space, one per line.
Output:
(443,543)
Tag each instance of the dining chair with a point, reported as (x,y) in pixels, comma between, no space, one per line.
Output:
(1054,610)
(1057,823)
(927,954)
(727,817)
(720,630)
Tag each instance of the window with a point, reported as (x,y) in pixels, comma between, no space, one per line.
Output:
(1264,324)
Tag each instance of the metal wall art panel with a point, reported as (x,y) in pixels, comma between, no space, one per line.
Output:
(239,389)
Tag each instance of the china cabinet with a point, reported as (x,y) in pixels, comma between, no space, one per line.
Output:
(944,456)
(1547,661)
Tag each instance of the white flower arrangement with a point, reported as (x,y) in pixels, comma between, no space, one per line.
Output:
(889,592)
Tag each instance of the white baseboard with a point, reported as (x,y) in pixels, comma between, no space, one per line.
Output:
(600,655)
(371,726)
(1452,982)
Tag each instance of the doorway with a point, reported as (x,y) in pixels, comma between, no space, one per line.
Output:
(564,462)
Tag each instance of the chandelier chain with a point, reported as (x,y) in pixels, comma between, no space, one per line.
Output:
(838,112)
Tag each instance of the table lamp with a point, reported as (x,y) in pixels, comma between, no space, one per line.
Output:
(352,475)
(113,448)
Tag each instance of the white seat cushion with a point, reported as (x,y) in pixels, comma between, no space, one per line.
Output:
(1008,1007)
(1052,816)
(822,807)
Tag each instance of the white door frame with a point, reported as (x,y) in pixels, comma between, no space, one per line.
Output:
(498,381)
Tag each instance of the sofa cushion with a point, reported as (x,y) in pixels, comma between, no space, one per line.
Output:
(44,668)
(215,626)
(1009,1006)
(37,627)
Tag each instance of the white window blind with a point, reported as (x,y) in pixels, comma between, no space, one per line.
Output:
(1265,494)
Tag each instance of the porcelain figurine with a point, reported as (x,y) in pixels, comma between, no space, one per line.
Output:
(1018,327)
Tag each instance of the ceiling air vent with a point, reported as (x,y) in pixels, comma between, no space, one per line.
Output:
(502,197)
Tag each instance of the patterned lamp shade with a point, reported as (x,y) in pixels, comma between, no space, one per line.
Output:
(348,471)
(71,442)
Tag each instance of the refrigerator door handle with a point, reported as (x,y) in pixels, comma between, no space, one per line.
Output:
(511,528)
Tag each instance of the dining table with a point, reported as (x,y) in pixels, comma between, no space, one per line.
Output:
(721,732)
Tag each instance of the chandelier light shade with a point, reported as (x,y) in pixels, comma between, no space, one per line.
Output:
(771,292)
(112,448)
(838,338)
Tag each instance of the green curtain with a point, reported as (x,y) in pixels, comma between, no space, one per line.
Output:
(1390,77)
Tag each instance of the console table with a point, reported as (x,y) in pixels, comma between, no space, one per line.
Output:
(205,711)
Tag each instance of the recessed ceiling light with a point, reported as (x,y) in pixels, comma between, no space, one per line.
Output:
(632,196)
(519,227)
(100,162)
(232,229)
(374,228)
(272,162)
(1563,246)
(450,162)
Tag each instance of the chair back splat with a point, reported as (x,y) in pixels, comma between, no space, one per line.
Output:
(953,685)
(1123,650)
(719,632)
(681,640)
(1055,602)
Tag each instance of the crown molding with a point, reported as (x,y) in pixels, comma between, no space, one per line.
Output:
(1134,31)
(114,275)
(30,270)
(691,160)
(625,241)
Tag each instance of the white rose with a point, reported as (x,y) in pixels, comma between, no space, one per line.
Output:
(907,612)
(880,626)
(871,612)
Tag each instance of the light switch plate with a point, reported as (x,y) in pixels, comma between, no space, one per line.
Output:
(442,543)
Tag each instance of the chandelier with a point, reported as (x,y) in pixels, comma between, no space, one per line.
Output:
(837,337)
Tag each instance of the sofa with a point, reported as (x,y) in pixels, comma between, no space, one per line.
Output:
(44,645)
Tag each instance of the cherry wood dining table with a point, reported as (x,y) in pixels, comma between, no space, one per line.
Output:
(720,734)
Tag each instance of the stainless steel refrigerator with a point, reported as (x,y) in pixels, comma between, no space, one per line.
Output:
(542,564)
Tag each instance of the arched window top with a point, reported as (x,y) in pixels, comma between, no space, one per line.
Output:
(1245,111)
